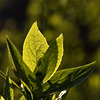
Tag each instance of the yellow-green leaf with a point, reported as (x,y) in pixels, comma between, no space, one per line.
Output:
(35,45)
(22,98)
(54,97)
(1,98)
(8,91)
(51,60)
(67,78)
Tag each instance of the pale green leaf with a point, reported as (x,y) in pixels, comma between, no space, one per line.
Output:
(8,91)
(67,78)
(51,60)
(35,45)
(1,98)
(20,68)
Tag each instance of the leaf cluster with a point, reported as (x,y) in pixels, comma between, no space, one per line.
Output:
(37,69)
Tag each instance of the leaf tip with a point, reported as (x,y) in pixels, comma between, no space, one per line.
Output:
(7,39)
(93,63)
(35,23)
(60,36)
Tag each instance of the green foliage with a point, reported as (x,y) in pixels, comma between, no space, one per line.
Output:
(1,98)
(51,60)
(37,69)
(67,78)
(22,98)
(8,91)
(35,45)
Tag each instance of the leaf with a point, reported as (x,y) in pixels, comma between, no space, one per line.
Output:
(54,97)
(8,91)
(28,93)
(20,68)
(35,45)
(1,98)
(51,60)
(4,76)
(67,78)
(22,98)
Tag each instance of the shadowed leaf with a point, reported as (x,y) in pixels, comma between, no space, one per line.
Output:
(67,78)
(20,69)
(8,91)
(51,60)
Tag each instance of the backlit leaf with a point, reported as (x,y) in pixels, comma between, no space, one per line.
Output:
(35,45)
(54,97)
(67,78)
(51,60)
(1,98)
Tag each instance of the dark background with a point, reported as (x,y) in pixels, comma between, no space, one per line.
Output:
(78,20)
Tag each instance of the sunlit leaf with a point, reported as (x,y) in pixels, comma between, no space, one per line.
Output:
(67,78)
(20,69)
(1,98)
(35,45)
(54,97)
(8,91)
(51,60)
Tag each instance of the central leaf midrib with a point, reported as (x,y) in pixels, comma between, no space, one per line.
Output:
(34,43)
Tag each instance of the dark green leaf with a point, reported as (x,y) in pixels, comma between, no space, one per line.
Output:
(28,93)
(67,78)
(8,91)
(20,69)
(51,60)
(4,76)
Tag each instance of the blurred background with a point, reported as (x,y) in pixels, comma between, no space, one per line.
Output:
(78,20)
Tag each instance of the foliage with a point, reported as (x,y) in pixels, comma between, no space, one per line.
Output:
(37,68)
